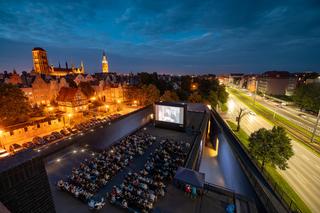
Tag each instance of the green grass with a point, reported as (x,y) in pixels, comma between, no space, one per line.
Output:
(273,118)
(274,176)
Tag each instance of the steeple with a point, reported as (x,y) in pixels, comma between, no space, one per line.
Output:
(82,67)
(105,65)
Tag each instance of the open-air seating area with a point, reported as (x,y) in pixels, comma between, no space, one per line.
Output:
(95,173)
(139,191)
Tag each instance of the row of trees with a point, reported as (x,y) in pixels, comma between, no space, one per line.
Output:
(307,96)
(209,91)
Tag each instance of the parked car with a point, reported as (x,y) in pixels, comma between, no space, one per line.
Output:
(73,131)
(14,148)
(3,153)
(49,138)
(38,140)
(65,132)
(28,145)
(57,135)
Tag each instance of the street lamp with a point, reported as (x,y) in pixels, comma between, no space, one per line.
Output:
(315,127)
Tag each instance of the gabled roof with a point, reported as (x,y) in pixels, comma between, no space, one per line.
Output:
(67,94)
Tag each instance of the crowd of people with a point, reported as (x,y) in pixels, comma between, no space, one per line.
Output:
(93,174)
(139,191)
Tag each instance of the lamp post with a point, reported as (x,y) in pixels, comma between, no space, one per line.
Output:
(255,93)
(315,127)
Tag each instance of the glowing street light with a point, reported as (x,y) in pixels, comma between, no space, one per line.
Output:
(93,98)
(118,101)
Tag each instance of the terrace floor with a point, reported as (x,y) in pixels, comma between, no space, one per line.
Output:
(59,166)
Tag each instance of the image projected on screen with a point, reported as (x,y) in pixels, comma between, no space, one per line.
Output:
(169,114)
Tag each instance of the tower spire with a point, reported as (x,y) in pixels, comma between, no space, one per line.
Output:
(105,65)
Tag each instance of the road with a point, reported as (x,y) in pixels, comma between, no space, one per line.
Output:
(303,174)
(292,114)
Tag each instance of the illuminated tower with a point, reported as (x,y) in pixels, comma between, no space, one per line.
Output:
(105,65)
(82,67)
(40,60)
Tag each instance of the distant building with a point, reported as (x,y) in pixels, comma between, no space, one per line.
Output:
(13,78)
(274,82)
(105,64)
(40,60)
(43,91)
(249,82)
(235,78)
(72,100)
(41,65)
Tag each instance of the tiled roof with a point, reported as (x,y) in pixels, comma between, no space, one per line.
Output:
(67,94)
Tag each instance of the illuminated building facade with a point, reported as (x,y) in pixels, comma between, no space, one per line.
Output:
(41,65)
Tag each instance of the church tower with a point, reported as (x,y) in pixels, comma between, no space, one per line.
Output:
(40,61)
(105,65)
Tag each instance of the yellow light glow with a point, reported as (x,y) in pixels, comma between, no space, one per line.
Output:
(118,101)
(70,115)
(107,106)
(231,105)
(50,108)
(93,98)
(209,106)
(1,132)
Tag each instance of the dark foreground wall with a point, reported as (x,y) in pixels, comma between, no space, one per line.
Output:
(25,188)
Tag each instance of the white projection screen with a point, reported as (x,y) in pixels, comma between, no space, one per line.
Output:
(170,114)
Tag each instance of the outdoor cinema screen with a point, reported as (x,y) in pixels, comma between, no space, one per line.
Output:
(170,114)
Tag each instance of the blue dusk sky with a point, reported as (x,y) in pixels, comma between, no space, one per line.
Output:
(178,37)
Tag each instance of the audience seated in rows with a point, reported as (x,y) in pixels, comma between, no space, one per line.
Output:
(96,172)
(139,191)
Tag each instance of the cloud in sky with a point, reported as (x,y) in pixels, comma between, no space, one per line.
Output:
(186,36)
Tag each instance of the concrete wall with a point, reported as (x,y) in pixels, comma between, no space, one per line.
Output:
(25,188)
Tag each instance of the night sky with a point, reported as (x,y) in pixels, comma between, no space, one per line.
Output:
(164,36)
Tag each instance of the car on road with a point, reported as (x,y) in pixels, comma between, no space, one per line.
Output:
(38,140)
(49,138)
(3,153)
(252,113)
(57,135)
(73,131)
(302,115)
(29,145)
(15,148)
(65,132)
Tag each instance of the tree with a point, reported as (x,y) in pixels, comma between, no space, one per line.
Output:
(87,89)
(169,96)
(222,94)
(271,146)
(242,113)
(307,96)
(148,94)
(213,99)
(195,97)
(14,105)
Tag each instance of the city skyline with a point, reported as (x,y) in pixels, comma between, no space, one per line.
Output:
(167,37)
